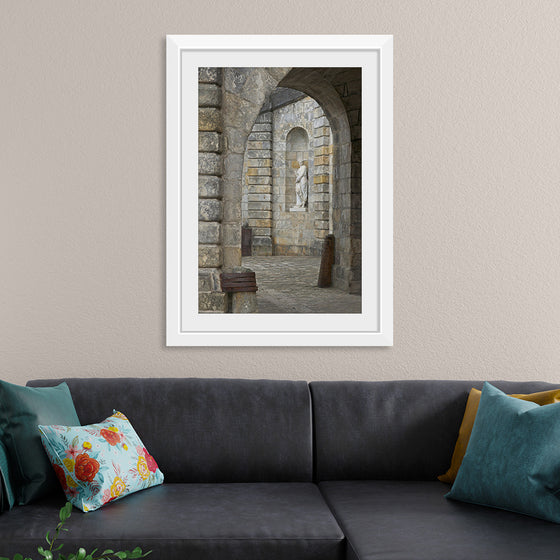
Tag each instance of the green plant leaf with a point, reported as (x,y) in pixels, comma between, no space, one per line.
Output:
(18,557)
(46,554)
(104,553)
(121,555)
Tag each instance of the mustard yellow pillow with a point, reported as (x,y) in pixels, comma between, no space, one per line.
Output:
(541,398)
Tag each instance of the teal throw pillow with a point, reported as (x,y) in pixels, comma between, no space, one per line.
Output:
(6,488)
(513,457)
(99,463)
(21,410)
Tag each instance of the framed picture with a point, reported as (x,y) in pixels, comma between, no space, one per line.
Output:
(279,180)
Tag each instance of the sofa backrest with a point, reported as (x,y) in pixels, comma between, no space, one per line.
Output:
(400,430)
(209,430)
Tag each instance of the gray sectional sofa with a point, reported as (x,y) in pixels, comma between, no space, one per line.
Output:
(287,470)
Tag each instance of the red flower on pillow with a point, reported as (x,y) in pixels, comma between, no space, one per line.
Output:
(86,467)
(111,436)
(61,475)
(152,465)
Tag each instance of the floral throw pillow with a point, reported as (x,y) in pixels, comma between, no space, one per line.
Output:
(99,463)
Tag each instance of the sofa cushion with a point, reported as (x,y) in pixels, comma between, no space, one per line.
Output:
(410,520)
(99,463)
(209,430)
(399,430)
(21,410)
(541,398)
(276,521)
(513,457)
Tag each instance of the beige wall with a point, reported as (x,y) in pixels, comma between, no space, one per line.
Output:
(477,188)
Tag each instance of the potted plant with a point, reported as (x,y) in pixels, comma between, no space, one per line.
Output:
(53,553)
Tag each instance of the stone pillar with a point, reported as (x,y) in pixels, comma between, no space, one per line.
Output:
(259,184)
(322,150)
(210,207)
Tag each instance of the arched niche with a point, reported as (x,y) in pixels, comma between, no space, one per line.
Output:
(297,151)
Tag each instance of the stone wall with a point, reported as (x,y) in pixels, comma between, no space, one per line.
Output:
(210,206)
(298,131)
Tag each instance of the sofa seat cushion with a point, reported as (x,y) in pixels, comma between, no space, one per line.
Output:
(195,521)
(411,520)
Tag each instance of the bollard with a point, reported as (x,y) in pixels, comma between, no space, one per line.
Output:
(327,261)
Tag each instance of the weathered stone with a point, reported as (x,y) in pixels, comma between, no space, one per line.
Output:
(321,160)
(209,163)
(209,279)
(260,163)
(209,119)
(233,168)
(264,117)
(209,233)
(232,211)
(322,131)
(277,72)
(209,95)
(232,255)
(321,206)
(255,171)
(259,223)
(321,122)
(231,235)
(258,85)
(261,232)
(209,186)
(244,302)
(253,197)
(209,142)
(260,213)
(321,179)
(235,78)
(259,180)
(259,145)
(210,75)
(210,210)
(262,127)
(321,141)
(234,140)
(238,113)
(209,256)
(259,189)
(259,136)
(326,150)
(256,154)
(212,302)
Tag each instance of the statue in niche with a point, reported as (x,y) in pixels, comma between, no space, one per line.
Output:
(301,186)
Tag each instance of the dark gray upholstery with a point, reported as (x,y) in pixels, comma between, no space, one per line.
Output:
(209,430)
(276,521)
(399,430)
(394,520)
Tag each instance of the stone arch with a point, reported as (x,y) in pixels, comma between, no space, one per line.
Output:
(312,82)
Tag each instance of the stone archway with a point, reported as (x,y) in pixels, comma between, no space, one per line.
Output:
(230,100)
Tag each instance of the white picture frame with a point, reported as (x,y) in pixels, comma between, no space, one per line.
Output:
(184,324)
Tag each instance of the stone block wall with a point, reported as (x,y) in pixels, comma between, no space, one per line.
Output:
(257,192)
(269,190)
(210,205)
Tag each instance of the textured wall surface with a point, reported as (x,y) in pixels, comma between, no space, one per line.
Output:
(476,193)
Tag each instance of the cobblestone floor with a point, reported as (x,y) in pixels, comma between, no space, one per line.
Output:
(289,285)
